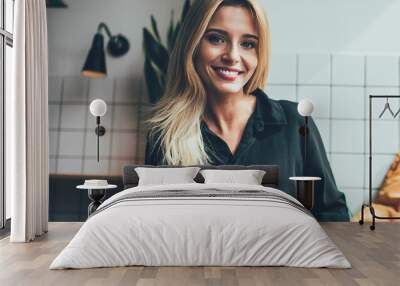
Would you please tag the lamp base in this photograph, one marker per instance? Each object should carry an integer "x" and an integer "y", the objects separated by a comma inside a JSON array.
[
  {"x": 305, "y": 187},
  {"x": 96, "y": 196},
  {"x": 118, "y": 46},
  {"x": 305, "y": 193},
  {"x": 100, "y": 130}
]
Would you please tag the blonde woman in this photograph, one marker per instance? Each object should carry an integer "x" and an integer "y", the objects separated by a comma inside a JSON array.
[{"x": 215, "y": 112}]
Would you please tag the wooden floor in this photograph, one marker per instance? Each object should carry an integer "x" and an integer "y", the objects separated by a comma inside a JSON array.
[{"x": 374, "y": 255}]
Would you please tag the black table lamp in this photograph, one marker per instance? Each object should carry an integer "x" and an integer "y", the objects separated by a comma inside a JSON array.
[{"x": 95, "y": 64}]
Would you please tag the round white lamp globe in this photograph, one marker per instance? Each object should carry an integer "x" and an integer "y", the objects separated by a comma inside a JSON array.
[
  {"x": 98, "y": 107},
  {"x": 305, "y": 107}
]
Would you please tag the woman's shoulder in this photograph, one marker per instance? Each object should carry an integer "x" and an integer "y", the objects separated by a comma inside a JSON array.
[{"x": 286, "y": 107}]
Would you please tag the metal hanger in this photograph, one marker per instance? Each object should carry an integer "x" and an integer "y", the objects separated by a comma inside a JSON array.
[
  {"x": 397, "y": 113},
  {"x": 387, "y": 107}
]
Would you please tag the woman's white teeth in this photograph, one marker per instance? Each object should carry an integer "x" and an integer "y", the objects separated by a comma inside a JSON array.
[{"x": 227, "y": 72}]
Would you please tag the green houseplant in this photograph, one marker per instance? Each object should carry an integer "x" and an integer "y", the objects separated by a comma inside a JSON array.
[{"x": 157, "y": 54}]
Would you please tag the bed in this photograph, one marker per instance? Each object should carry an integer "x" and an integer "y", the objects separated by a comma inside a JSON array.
[{"x": 198, "y": 224}]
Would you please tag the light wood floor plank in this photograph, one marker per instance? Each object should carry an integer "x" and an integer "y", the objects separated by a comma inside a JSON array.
[{"x": 375, "y": 257}]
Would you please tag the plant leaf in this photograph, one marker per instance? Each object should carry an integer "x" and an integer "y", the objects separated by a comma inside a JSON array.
[
  {"x": 153, "y": 83},
  {"x": 170, "y": 36},
  {"x": 155, "y": 28},
  {"x": 155, "y": 51},
  {"x": 185, "y": 10},
  {"x": 157, "y": 55}
]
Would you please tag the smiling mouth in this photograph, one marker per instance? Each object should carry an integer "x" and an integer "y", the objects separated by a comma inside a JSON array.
[{"x": 227, "y": 73}]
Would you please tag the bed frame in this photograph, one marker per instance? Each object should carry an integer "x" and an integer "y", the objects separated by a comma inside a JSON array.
[{"x": 270, "y": 179}]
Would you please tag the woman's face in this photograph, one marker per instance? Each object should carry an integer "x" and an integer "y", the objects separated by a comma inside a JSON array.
[{"x": 227, "y": 53}]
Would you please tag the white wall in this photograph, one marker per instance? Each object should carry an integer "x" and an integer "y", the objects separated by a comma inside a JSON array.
[{"x": 358, "y": 26}]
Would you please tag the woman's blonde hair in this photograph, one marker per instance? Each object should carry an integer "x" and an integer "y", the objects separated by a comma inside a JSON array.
[{"x": 176, "y": 121}]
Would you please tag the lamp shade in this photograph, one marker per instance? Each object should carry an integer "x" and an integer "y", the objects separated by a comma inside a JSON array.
[
  {"x": 98, "y": 107},
  {"x": 305, "y": 107},
  {"x": 95, "y": 64}
]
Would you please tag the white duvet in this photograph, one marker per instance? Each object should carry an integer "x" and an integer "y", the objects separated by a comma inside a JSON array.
[{"x": 192, "y": 231}]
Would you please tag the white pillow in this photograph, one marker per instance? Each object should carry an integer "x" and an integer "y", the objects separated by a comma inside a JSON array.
[
  {"x": 163, "y": 176},
  {"x": 249, "y": 177}
]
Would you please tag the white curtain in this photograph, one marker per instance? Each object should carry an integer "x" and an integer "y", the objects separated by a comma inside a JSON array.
[{"x": 27, "y": 123}]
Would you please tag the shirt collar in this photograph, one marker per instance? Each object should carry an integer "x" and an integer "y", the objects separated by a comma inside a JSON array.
[{"x": 267, "y": 112}]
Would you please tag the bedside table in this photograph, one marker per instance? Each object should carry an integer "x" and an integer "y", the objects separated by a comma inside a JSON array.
[
  {"x": 305, "y": 190},
  {"x": 96, "y": 195}
]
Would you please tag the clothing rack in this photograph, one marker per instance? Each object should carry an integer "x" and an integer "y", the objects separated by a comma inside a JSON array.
[{"x": 369, "y": 205}]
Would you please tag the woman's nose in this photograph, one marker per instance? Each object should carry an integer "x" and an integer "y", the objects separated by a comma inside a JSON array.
[{"x": 232, "y": 54}]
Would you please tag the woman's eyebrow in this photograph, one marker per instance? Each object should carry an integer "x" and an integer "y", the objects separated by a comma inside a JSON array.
[{"x": 226, "y": 33}]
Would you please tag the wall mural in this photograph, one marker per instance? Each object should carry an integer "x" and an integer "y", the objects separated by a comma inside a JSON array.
[{"x": 176, "y": 112}]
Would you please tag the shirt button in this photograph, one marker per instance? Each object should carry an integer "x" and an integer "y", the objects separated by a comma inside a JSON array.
[{"x": 259, "y": 125}]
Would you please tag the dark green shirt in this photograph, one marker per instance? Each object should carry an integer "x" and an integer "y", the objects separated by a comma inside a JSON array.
[{"x": 271, "y": 137}]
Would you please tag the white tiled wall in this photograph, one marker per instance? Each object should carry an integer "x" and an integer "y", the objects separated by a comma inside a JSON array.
[
  {"x": 283, "y": 69},
  {"x": 348, "y": 170},
  {"x": 347, "y": 136},
  {"x": 348, "y": 102},
  {"x": 383, "y": 70},
  {"x": 73, "y": 142},
  {"x": 348, "y": 70},
  {"x": 74, "y": 89},
  {"x": 338, "y": 84},
  {"x": 324, "y": 130},
  {"x": 314, "y": 69},
  {"x": 285, "y": 92}
]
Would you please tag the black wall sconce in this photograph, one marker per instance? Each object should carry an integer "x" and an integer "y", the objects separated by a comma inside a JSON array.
[
  {"x": 98, "y": 108},
  {"x": 305, "y": 108},
  {"x": 95, "y": 64}
]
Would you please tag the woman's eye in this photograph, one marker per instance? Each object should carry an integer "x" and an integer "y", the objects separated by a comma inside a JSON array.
[
  {"x": 215, "y": 39},
  {"x": 249, "y": 45}
]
